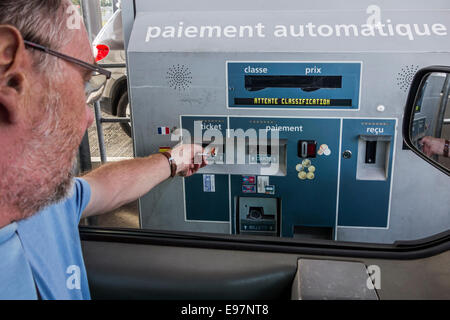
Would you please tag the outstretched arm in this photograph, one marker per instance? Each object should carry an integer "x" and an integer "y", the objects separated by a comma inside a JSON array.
[{"x": 115, "y": 184}]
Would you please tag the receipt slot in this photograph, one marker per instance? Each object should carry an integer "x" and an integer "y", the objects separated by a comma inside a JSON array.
[{"x": 373, "y": 157}]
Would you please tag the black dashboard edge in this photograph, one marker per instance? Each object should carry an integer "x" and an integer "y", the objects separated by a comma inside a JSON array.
[{"x": 400, "y": 250}]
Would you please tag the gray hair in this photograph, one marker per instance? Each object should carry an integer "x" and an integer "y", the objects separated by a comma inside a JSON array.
[{"x": 39, "y": 21}]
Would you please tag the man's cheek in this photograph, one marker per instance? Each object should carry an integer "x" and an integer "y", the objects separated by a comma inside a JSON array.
[{"x": 89, "y": 116}]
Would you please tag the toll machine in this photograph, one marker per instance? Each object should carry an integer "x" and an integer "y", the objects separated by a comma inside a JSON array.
[{"x": 324, "y": 93}]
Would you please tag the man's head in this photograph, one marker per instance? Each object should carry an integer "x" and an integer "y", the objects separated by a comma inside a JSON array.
[{"x": 43, "y": 114}]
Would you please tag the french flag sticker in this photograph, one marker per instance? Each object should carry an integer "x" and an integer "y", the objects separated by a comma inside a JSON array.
[{"x": 163, "y": 130}]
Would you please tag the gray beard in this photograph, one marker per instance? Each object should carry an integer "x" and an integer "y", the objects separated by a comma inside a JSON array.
[
  {"x": 60, "y": 191},
  {"x": 43, "y": 174}
]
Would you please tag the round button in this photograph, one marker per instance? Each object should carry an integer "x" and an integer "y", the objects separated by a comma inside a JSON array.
[
  {"x": 381, "y": 108},
  {"x": 312, "y": 169},
  {"x": 347, "y": 154},
  {"x": 306, "y": 163},
  {"x": 302, "y": 175},
  {"x": 310, "y": 176},
  {"x": 299, "y": 167}
]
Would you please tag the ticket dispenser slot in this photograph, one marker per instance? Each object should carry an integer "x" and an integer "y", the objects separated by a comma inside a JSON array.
[
  {"x": 305, "y": 83},
  {"x": 251, "y": 157},
  {"x": 258, "y": 216},
  {"x": 373, "y": 157}
]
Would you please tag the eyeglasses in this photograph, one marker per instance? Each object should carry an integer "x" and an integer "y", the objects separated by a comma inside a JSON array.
[{"x": 95, "y": 86}]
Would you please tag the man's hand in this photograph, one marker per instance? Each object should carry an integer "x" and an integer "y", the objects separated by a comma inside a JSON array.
[
  {"x": 432, "y": 146},
  {"x": 189, "y": 158}
]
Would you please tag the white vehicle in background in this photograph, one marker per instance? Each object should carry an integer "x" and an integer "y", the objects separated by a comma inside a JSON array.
[{"x": 110, "y": 53}]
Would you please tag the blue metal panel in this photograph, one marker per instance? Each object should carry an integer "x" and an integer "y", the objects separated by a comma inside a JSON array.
[
  {"x": 200, "y": 205},
  {"x": 343, "y": 94},
  {"x": 303, "y": 202},
  {"x": 364, "y": 203},
  {"x": 207, "y": 206}
]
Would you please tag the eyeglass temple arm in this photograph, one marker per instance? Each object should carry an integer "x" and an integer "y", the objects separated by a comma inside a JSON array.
[{"x": 68, "y": 58}]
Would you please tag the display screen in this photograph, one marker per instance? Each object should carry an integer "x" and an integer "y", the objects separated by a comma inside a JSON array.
[{"x": 294, "y": 85}]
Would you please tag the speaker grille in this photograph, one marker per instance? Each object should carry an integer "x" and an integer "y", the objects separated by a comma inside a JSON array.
[
  {"x": 179, "y": 77},
  {"x": 405, "y": 76}
]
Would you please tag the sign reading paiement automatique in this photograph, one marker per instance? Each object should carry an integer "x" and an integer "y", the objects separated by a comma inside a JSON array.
[{"x": 291, "y": 85}]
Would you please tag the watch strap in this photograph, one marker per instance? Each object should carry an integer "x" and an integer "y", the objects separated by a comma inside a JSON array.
[{"x": 172, "y": 164}]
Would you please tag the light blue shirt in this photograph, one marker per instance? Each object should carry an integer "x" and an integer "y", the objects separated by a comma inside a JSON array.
[
  {"x": 46, "y": 247},
  {"x": 16, "y": 280}
]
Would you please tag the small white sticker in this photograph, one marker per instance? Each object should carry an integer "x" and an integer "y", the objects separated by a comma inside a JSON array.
[
  {"x": 263, "y": 181},
  {"x": 270, "y": 189},
  {"x": 324, "y": 150},
  {"x": 209, "y": 183}
]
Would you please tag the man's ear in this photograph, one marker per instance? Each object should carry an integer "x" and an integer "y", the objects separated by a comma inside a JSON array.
[{"x": 12, "y": 76}]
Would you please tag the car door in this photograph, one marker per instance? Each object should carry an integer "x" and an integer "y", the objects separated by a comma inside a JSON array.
[
  {"x": 155, "y": 264},
  {"x": 130, "y": 264}
]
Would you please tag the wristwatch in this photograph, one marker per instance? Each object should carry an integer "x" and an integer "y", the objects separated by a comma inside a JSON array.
[
  {"x": 446, "y": 149},
  {"x": 172, "y": 164}
]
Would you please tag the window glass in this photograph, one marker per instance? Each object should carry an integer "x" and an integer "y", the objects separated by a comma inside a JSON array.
[{"x": 316, "y": 143}]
